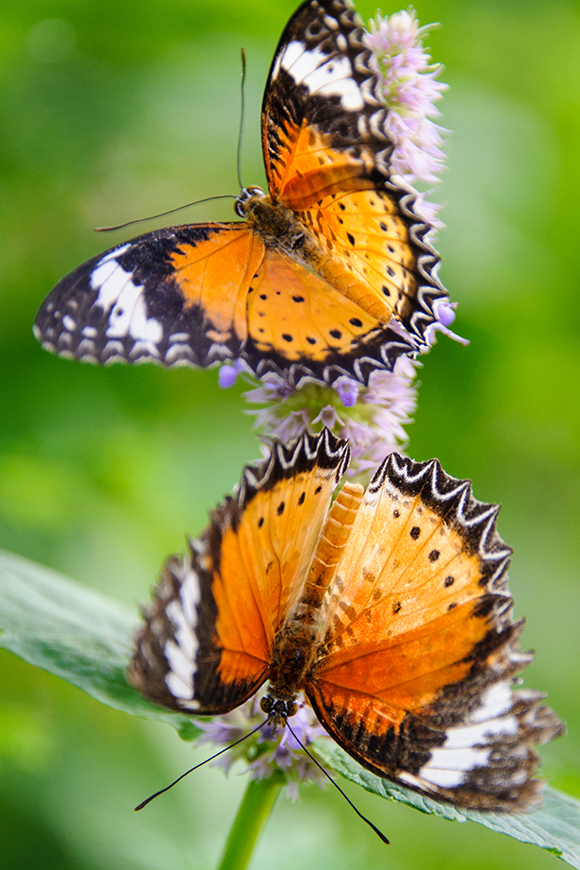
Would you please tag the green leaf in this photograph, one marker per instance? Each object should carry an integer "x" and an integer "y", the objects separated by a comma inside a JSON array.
[
  {"x": 555, "y": 827},
  {"x": 76, "y": 633},
  {"x": 86, "y": 638}
]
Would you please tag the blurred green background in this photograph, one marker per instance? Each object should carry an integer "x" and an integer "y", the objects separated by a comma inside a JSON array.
[{"x": 112, "y": 111}]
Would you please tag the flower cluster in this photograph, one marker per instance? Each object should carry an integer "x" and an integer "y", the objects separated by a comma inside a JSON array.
[
  {"x": 372, "y": 418},
  {"x": 410, "y": 89},
  {"x": 268, "y": 751}
]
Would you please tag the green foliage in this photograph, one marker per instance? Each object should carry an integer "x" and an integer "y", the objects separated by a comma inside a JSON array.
[{"x": 556, "y": 827}]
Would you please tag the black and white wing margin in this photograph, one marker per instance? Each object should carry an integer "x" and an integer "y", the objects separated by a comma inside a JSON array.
[{"x": 126, "y": 305}]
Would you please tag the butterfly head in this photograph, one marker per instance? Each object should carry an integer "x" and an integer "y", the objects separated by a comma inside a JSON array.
[
  {"x": 247, "y": 198},
  {"x": 278, "y": 710}
]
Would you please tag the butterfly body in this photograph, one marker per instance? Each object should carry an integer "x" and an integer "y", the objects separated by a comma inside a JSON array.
[
  {"x": 279, "y": 228},
  {"x": 330, "y": 273},
  {"x": 388, "y": 608}
]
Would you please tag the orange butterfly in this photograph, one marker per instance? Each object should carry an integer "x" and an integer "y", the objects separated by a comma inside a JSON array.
[
  {"x": 331, "y": 273},
  {"x": 389, "y": 608}
]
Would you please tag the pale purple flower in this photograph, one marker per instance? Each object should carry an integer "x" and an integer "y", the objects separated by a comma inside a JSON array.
[
  {"x": 444, "y": 312},
  {"x": 272, "y": 389},
  {"x": 427, "y": 210},
  {"x": 328, "y": 418},
  {"x": 268, "y": 751},
  {"x": 348, "y": 391},
  {"x": 228, "y": 373},
  {"x": 372, "y": 417},
  {"x": 410, "y": 90}
]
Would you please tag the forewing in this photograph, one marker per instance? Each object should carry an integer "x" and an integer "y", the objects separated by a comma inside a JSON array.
[
  {"x": 420, "y": 649},
  {"x": 300, "y": 326},
  {"x": 176, "y": 296},
  {"x": 207, "y": 640},
  {"x": 324, "y": 136}
]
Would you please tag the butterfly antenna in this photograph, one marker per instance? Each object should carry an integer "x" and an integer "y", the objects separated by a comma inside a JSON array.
[
  {"x": 211, "y": 758},
  {"x": 336, "y": 785},
  {"x": 162, "y": 214},
  {"x": 243, "y": 88}
]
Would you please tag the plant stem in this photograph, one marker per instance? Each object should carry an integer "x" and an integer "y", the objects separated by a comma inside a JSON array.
[{"x": 253, "y": 813}]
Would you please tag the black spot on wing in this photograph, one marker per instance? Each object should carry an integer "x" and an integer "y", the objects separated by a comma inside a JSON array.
[{"x": 376, "y": 350}]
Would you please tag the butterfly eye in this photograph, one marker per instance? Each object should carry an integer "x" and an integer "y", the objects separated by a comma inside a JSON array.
[
  {"x": 247, "y": 194},
  {"x": 266, "y": 704},
  {"x": 291, "y": 708}
]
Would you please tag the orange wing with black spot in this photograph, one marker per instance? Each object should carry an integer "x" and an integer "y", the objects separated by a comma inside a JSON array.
[
  {"x": 327, "y": 156},
  {"x": 418, "y": 647},
  {"x": 201, "y": 294},
  {"x": 300, "y": 324},
  {"x": 207, "y": 643}
]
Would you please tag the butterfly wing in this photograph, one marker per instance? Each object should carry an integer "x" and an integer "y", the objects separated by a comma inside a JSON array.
[
  {"x": 419, "y": 646},
  {"x": 327, "y": 156},
  {"x": 196, "y": 295},
  {"x": 300, "y": 326},
  {"x": 207, "y": 640},
  {"x": 176, "y": 296}
]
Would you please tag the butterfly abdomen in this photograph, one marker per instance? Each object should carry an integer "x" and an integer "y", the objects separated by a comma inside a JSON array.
[
  {"x": 296, "y": 645},
  {"x": 332, "y": 542}
]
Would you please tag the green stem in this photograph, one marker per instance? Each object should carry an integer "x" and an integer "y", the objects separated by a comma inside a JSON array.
[{"x": 253, "y": 813}]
